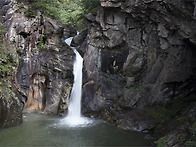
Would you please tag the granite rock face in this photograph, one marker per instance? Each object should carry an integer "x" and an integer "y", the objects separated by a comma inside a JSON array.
[
  {"x": 44, "y": 74},
  {"x": 10, "y": 109},
  {"x": 138, "y": 53}
]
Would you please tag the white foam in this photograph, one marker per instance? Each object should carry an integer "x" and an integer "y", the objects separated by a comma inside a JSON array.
[{"x": 76, "y": 121}]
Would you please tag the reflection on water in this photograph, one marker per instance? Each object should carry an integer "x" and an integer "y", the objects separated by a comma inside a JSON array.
[{"x": 44, "y": 130}]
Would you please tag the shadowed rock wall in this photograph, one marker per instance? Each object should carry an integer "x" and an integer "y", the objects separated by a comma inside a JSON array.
[
  {"x": 10, "y": 109},
  {"x": 139, "y": 67},
  {"x": 139, "y": 53}
]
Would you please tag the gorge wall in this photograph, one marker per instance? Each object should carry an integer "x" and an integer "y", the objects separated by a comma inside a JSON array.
[
  {"x": 139, "y": 64},
  {"x": 44, "y": 74},
  {"x": 140, "y": 53}
]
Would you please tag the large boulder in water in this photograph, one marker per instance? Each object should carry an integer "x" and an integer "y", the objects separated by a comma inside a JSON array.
[{"x": 10, "y": 109}]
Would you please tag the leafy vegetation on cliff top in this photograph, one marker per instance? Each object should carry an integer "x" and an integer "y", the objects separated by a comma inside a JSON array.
[
  {"x": 7, "y": 59},
  {"x": 66, "y": 11}
]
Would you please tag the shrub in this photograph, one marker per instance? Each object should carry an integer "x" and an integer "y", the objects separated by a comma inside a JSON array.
[
  {"x": 7, "y": 61},
  {"x": 66, "y": 11}
]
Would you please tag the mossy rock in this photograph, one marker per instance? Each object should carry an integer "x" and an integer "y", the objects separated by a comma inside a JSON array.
[{"x": 160, "y": 142}]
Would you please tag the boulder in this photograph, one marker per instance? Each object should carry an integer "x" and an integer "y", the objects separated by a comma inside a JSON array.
[{"x": 10, "y": 109}]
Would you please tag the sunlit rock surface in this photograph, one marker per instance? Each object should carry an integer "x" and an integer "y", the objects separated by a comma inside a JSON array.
[{"x": 44, "y": 74}]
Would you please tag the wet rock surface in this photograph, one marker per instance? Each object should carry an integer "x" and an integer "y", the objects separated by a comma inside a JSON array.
[
  {"x": 10, "y": 109},
  {"x": 139, "y": 54}
]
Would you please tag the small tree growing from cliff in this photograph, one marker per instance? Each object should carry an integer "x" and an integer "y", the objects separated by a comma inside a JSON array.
[
  {"x": 6, "y": 57},
  {"x": 90, "y": 6}
]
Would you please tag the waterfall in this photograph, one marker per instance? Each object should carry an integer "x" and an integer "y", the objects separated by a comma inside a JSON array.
[
  {"x": 74, "y": 109},
  {"x": 74, "y": 117}
]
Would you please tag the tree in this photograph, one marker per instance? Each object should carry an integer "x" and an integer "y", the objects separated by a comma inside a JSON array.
[{"x": 65, "y": 11}]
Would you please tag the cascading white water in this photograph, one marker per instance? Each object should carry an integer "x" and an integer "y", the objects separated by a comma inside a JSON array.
[
  {"x": 74, "y": 117},
  {"x": 74, "y": 109}
]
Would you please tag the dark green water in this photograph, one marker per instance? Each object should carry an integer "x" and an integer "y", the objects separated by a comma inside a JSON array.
[{"x": 44, "y": 130}]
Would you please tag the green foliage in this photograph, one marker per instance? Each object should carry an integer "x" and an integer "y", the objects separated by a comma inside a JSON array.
[
  {"x": 6, "y": 93},
  {"x": 18, "y": 50},
  {"x": 1, "y": 93},
  {"x": 2, "y": 32},
  {"x": 136, "y": 87},
  {"x": 30, "y": 13},
  {"x": 160, "y": 142},
  {"x": 41, "y": 44},
  {"x": 7, "y": 60},
  {"x": 66, "y": 11},
  {"x": 159, "y": 113},
  {"x": 7, "y": 99},
  {"x": 4, "y": 68},
  {"x": 9, "y": 91},
  {"x": 172, "y": 112},
  {"x": 164, "y": 114},
  {"x": 71, "y": 12},
  {"x": 193, "y": 130},
  {"x": 181, "y": 137},
  {"x": 192, "y": 138},
  {"x": 90, "y": 5},
  {"x": 190, "y": 143}
]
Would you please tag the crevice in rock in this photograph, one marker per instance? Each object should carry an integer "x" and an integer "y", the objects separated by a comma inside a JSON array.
[{"x": 24, "y": 34}]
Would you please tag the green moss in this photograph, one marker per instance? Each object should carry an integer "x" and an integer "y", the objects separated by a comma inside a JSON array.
[
  {"x": 170, "y": 112},
  {"x": 4, "y": 68},
  {"x": 190, "y": 143},
  {"x": 95, "y": 41},
  {"x": 193, "y": 129},
  {"x": 3, "y": 96},
  {"x": 136, "y": 87},
  {"x": 40, "y": 43},
  {"x": 132, "y": 70},
  {"x": 111, "y": 80},
  {"x": 30, "y": 14},
  {"x": 6, "y": 98},
  {"x": 9, "y": 91},
  {"x": 21, "y": 6},
  {"x": 18, "y": 49},
  {"x": 8, "y": 57},
  {"x": 1, "y": 93},
  {"x": 181, "y": 137},
  {"x": 159, "y": 113},
  {"x": 160, "y": 142}
]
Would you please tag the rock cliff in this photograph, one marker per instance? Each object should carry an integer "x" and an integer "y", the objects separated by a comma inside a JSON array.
[
  {"x": 139, "y": 64},
  {"x": 10, "y": 109},
  {"x": 139, "y": 53},
  {"x": 145, "y": 47},
  {"x": 44, "y": 75}
]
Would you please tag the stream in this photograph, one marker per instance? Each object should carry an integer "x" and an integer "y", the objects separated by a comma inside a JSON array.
[{"x": 46, "y": 130}]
